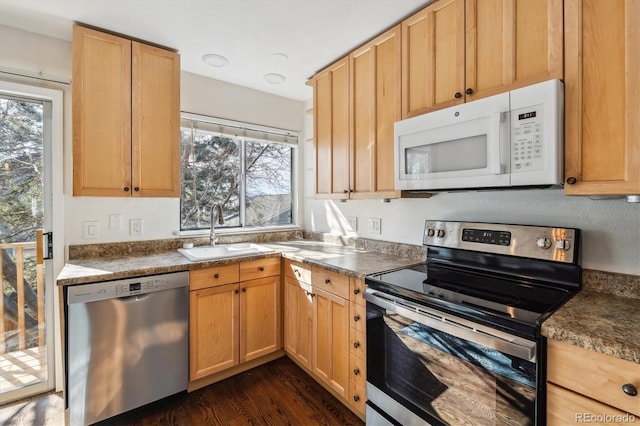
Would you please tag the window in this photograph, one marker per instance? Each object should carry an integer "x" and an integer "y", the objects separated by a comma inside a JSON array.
[{"x": 247, "y": 170}]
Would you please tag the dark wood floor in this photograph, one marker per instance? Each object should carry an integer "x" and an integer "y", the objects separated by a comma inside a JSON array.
[{"x": 278, "y": 393}]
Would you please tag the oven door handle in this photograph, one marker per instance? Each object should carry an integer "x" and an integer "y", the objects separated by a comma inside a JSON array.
[{"x": 458, "y": 327}]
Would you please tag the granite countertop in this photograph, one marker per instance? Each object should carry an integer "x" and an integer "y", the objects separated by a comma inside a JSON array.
[
  {"x": 605, "y": 322},
  {"x": 347, "y": 260}
]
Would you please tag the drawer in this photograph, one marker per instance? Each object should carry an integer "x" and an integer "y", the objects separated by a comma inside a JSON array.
[
  {"x": 358, "y": 317},
  {"x": 356, "y": 291},
  {"x": 565, "y": 407},
  {"x": 357, "y": 397},
  {"x": 214, "y": 276},
  {"x": 259, "y": 268},
  {"x": 330, "y": 281},
  {"x": 298, "y": 271},
  {"x": 358, "y": 370},
  {"x": 593, "y": 374},
  {"x": 358, "y": 344}
]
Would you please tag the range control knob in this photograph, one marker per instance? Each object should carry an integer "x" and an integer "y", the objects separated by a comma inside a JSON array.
[
  {"x": 543, "y": 242},
  {"x": 563, "y": 245},
  {"x": 431, "y": 232},
  {"x": 440, "y": 233}
]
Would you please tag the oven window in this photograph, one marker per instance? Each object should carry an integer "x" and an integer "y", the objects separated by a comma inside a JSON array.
[{"x": 444, "y": 379}]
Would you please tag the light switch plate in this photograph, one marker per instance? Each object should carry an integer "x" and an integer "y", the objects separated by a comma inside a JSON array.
[
  {"x": 375, "y": 225},
  {"x": 91, "y": 229},
  {"x": 353, "y": 222},
  {"x": 115, "y": 222}
]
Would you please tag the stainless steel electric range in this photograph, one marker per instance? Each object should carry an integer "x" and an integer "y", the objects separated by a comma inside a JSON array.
[{"x": 456, "y": 340}]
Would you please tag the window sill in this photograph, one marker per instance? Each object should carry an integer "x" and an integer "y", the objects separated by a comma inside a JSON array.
[{"x": 238, "y": 231}]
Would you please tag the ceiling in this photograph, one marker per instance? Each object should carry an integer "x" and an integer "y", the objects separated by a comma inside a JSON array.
[{"x": 252, "y": 34}]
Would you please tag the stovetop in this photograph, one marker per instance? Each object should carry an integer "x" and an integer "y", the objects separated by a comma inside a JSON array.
[{"x": 501, "y": 282}]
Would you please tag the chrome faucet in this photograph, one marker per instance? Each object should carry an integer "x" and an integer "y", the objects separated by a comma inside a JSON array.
[{"x": 216, "y": 215}]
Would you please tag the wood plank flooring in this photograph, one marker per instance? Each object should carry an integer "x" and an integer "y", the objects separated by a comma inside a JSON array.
[{"x": 277, "y": 393}]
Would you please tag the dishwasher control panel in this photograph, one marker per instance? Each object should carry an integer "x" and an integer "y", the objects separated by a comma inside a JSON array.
[{"x": 92, "y": 292}]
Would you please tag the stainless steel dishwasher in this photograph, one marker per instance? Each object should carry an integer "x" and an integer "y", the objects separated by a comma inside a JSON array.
[{"x": 126, "y": 343}]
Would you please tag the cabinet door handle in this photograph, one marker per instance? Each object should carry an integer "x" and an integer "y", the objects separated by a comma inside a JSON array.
[
  {"x": 216, "y": 276},
  {"x": 261, "y": 268},
  {"x": 327, "y": 281},
  {"x": 356, "y": 291},
  {"x": 136, "y": 188},
  {"x": 356, "y": 371},
  {"x": 125, "y": 189},
  {"x": 356, "y": 318},
  {"x": 469, "y": 91},
  {"x": 572, "y": 180},
  {"x": 236, "y": 291},
  {"x": 296, "y": 272},
  {"x": 244, "y": 289},
  {"x": 346, "y": 191},
  {"x": 629, "y": 389},
  {"x": 356, "y": 398},
  {"x": 356, "y": 345}
]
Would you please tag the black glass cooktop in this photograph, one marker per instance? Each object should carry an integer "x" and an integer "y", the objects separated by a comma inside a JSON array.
[{"x": 492, "y": 298}]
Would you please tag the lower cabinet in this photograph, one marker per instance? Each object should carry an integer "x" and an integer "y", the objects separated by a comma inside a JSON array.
[
  {"x": 232, "y": 320},
  {"x": 585, "y": 386},
  {"x": 325, "y": 320}
]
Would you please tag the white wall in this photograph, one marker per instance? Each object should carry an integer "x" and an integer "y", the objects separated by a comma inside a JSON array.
[
  {"x": 34, "y": 53},
  {"x": 610, "y": 228}
]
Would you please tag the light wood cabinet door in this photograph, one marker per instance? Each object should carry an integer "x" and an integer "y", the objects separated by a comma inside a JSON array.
[
  {"x": 331, "y": 130},
  {"x": 331, "y": 340},
  {"x": 213, "y": 330},
  {"x": 101, "y": 113},
  {"x": 126, "y": 117},
  {"x": 375, "y": 107},
  {"x": 565, "y": 407},
  {"x": 510, "y": 44},
  {"x": 298, "y": 320},
  {"x": 155, "y": 122},
  {"x": 433, "y": 68},
  {"x": 260, "y": 324},
  {"x": 602, "y": 97}
]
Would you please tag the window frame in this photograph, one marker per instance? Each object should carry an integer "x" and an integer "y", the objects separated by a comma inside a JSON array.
[{"x": 251, "y": 133}]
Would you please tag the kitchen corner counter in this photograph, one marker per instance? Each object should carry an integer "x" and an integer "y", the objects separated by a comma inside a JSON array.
[
  {"x": 343, "y": 259},
  {"x": 602, "y": 322}
]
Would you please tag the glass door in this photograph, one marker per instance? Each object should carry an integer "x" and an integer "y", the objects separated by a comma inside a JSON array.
[{"x": 26, "y": 353}]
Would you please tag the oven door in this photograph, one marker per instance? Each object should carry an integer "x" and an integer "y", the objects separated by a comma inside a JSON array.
[
  {"x": 428, "y": 147},
  {"x": 428, "y": 367}
]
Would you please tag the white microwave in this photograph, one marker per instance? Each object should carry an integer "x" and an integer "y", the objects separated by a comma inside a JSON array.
[{"x": 514, "y": 139}]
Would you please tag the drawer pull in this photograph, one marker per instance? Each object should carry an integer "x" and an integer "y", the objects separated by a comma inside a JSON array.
[
  {"x": 216, "y": 276},
  {"x": 356, "y": 371},
  {"x": 356, "y": 318},
  {"x": 356, "y": 291},
  {"x": 356, "y": 345},
  {"x": 327, "y": 281},
  {"x": 261, "y": 268},
  {"x": 629, "y": 389},
  {"x": 356, "y": 398}
]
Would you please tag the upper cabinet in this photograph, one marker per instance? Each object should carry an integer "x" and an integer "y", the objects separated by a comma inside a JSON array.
[
  {"x": 356, "y": 102},
  {"x": 602, "y": 97},
  {"x": 126, "y": 117},
  {"x": 454, "y": 51}
]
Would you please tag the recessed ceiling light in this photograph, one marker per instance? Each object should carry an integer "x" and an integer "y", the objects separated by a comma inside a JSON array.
[
  {"x": 217, "y": 61},
  {"x": 275, "y": 78}
]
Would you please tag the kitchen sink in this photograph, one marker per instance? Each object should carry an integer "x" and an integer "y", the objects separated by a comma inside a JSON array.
[{"x": 221, "y": 251}]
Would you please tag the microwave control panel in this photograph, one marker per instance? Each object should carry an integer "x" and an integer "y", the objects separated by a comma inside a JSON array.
[{"x": 527, "y": 139}]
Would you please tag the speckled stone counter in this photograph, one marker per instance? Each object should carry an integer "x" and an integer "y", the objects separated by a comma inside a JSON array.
[
  {"x": 347, "y": 260},
  {"x": 604, "y": 316}
]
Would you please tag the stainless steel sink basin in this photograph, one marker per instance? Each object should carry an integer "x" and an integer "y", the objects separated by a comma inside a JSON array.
[{"x": 221, "y": 251}]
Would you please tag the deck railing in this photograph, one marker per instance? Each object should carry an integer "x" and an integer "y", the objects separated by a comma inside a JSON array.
[{"x": 19, "y": 319}]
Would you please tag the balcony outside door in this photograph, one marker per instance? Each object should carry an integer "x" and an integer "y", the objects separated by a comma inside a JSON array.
[{"x": 26, "y": 302}]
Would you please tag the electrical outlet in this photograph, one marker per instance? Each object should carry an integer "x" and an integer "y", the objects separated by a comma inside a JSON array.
[
  {"x": 135, "y": 227},
  {"x": 375, "y": 225},
  {"x": 353, "y": 222}
]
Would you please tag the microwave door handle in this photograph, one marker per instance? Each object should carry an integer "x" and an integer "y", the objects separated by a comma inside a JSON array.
[{"x": 495, "y": 123}]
